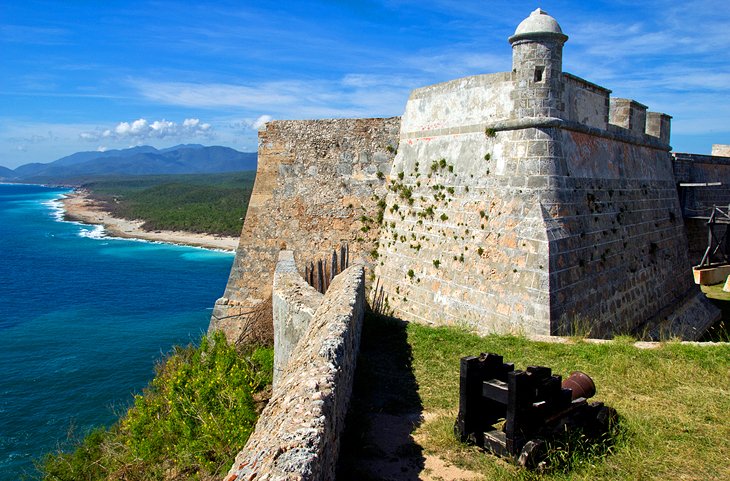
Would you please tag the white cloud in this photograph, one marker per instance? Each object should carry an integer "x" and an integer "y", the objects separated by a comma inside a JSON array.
[
  {"x": 141, "y": 129},
  {"x": 351, "y": 95},
  {"x": 261, "y": 121}
]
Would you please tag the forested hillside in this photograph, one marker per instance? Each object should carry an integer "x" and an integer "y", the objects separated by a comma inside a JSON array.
[{"x": 204, "y": 203}]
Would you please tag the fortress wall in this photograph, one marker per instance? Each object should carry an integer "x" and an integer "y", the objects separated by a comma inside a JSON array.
[
  {"x": 298, "y": 433},
  {"x": 458, "y": 105},
  {"x": 698, "y": 201},
  {"x": 314, "y": 183},
  {"x": 463, "y": 239},
  {"x": 474, "y": 236},
  {"x": 696, "y": 168},
  {"x": 621, "y": 254},
  {"x": 534, "y": 229},
  {"x": 586, "y": 102},
  {"x": 527, "y": 201}
]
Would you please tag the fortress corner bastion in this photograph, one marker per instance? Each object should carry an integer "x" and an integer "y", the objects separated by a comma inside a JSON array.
[
  {"x": 318, "y": 184},
  {"x": 528, "y": 201}
]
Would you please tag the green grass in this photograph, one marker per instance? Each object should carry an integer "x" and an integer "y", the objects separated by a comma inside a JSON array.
[
  {"x": 189, "y": 423},
  {"x": 205, "y": 203},
  {"x": 673, "y": 401}
]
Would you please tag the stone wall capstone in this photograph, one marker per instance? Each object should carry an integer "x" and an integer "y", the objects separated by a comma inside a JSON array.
[
  {"x": 297, "y": 434},
  {"x": 722, "y": 150},
  {"x": 294, "y": 303}
]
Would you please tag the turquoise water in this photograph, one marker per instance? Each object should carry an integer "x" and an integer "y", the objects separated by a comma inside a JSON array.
[{"x": 83, "y": 319}]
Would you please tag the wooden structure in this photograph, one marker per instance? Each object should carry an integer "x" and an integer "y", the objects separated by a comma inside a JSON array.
[
  {"x": 320, "y": 275},
  {"x": 534, "y": 405}
]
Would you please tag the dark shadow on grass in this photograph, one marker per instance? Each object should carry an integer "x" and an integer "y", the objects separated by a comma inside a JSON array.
[
  {"x": 720, "y": 331},
  {"x": 385, "y": 407}
]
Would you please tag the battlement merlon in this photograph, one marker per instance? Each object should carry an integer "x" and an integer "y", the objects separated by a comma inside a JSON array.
[{"x": 536, "y": 93}]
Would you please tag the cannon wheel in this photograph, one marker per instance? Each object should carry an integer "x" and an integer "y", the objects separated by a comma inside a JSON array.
[{"x": 533, "y": 454}]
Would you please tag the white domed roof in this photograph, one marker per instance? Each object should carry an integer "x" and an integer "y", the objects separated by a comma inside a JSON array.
[{"x": 540, "y": 23}]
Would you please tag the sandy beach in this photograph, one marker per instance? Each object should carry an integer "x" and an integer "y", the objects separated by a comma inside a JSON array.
[{"x": 79, "y": 207}]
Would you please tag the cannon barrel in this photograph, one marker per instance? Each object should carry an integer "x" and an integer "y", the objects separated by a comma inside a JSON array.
[{"x": 581, "y": 384}]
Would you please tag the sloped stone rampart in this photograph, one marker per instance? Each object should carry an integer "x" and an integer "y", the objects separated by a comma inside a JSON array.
[
  {"x": 297, "y": 435},
  {"x": 318, "y": 184}
]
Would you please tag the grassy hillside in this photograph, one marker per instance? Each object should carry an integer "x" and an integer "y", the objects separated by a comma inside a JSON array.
[
  {"x": 673, "y": 402},
  {"x": 210, "y": 203}
]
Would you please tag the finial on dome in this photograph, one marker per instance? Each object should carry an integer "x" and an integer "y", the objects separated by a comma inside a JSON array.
[{"x": 538, "y": 24}]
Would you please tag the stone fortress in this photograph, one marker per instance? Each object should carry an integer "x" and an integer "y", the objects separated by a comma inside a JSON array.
[{"x": 528, "y": 201}]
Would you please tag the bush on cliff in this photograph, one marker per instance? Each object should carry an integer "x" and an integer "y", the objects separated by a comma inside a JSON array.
[{"x": 188, "y": 424}]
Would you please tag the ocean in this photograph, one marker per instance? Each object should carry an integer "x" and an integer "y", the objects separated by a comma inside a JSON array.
[{"x": 83, "y": 320}]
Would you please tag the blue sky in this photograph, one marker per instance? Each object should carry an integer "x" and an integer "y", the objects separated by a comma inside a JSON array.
[{"x": 86, "y": 75}]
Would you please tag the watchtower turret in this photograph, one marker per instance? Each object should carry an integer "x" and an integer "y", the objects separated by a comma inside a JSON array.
[{"x": 537, "y": 65}]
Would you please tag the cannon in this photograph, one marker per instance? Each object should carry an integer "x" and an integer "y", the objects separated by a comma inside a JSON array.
[{"x": 534, "y": 406}]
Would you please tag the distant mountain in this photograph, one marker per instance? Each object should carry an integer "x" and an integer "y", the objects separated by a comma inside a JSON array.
[
  {"x": 145, "y": 160},
  {"x": 183, "y": 146},
  {"x": 6, "y": 174},
  {"x": 80, "y": 157}
]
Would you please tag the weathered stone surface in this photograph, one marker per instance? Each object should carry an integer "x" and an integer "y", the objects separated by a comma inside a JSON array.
[
  {"x": 722, "y": 150},
  {"x": 316, "y": 188},
  {"x": 294, "y": 303},
  {"x": 297, "y": 435},
  {"x": 539, "y": 214}
]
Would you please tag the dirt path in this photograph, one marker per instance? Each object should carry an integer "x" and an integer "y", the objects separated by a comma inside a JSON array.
[{"x": 378, "y": 442}]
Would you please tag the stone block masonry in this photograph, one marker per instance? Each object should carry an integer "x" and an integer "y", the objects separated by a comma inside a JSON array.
[
  {"x": 703, "y": 182},
  {"x": 721, "y": 150},
  {"x": 297, "y": 435},
  {"x": 318, "y": 185}
]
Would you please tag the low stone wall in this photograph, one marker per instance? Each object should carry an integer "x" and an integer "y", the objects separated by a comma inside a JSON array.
[
  {"x": 297, "y": 435},
  {"x": 294, "y": 303}
]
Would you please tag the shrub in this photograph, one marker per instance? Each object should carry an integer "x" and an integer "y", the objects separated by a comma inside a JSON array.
[{"x": 197, "y": 412}]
